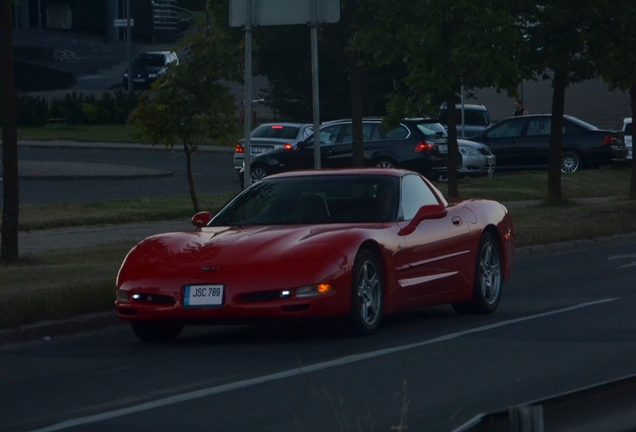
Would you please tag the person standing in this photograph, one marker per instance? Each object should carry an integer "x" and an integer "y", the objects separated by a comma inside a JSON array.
[{"x": 519, "y": 109}]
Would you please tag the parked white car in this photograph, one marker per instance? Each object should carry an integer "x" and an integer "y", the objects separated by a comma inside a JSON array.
[{"x": 626, "y": 127}]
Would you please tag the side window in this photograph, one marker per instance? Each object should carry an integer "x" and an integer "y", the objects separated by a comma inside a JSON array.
[
  {"x": 415, "y": 194},
  {"x": 628, "y": 129},
  {"x": 328, "y": 134},
  {"x": 507, "y": 129},
  {"x": 347, "y": 135},
  {"x": 399, "y": 132},
  {"x": 539, "y": 126},
  {"x": 370, "y": 132}
]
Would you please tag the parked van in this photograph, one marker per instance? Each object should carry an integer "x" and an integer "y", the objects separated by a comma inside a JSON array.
[{"x": 476, "y": 119}]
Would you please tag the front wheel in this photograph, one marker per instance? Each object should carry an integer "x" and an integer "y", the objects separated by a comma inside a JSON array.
[
  {"x": 156, "y": 331},
  {"x": 258, "y": 173},
  {"x": 570, "y": 162},
  {"x": 366, "y": 293},
  {"x": 488, "y": 279}
]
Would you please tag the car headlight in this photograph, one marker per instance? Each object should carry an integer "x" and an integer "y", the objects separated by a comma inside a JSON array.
[
  {"x": 313, "y": 290},
  {"x": 468, "y": 151},
  {"x": 125, "y": 74}
]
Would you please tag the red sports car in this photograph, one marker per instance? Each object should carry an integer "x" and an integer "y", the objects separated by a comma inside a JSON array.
[{"x": 349, "y": 243}]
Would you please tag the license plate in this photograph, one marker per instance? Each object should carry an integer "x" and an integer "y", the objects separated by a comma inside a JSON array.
[
  {"x": 443, "y": 148},
  {"x": 138, "y": 80},
  {"x": 203, "y": 295}
]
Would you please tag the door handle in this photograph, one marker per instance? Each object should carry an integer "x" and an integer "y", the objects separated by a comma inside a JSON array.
[{"x": 457, "y": 221}]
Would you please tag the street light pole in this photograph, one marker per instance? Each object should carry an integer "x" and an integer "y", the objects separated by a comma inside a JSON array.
[{"x": 128, "y": 36}]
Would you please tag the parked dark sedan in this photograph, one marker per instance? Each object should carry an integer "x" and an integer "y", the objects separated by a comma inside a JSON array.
[
  {"x": 416, "y": 144},
  {"x": 147, "y": 67},
  {"x": 524, "y": 143}
]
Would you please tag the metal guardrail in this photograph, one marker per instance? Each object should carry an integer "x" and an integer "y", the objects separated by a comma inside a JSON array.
[{"x": 606, "y": 407}]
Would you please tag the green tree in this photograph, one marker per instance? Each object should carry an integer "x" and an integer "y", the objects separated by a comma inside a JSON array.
[
  {"x": 190, "y": 101},
  {"x": 445, "y": 45},
  {"x": 11, "y": 189},
  {"x": 618, "y": 49},
  {"x": 559, "y": 36}
]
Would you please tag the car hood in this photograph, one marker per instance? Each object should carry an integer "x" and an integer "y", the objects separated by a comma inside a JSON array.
[{"x": 232, "y": 245}]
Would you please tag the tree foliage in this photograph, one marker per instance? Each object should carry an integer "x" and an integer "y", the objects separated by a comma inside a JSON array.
[{"x": 190, "y": 101}]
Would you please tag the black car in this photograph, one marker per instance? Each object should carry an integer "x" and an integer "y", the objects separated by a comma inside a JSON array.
[
  {"x": 524, "y": 143},
  {"x": 147, "y": 67},
  {"x": 416, "y": 144}
]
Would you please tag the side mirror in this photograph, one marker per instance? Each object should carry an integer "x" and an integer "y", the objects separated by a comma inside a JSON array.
[
  {"x": 201, "y": 219},
  {"x": 434, "y": 211}
]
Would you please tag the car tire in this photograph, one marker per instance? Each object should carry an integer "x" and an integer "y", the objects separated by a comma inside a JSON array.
[
  {"x": 383, "y": 163},
  {"x": 571, "y": 161},
  {"x": 488, "y": 282},
  {"x": 367, "y": 294},
  {"x": 259, "y": 172},
  {"x": 156, "y": 331}
]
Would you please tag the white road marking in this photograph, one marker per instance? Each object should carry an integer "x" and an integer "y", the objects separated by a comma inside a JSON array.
[
  {"x": 615, "y": 257},
  {"x": 295, "y": 372}
]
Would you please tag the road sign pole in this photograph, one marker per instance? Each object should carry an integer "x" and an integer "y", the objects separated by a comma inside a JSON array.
[
  {"x": 315, "y": 82},
  {"x": 247, "y": 105},
  {"x": 128, "y": 36}
]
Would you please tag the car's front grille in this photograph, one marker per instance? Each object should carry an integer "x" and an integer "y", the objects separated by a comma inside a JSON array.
[{"x": 153, "y": 298}]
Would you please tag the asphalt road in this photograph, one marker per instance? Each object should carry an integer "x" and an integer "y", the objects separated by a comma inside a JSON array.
[
  {"x": 55, "y": 172},
  {"x": 565, "y": 322}
]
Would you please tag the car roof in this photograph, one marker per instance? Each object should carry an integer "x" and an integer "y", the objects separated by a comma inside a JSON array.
[
  {"x": 379, "y": 119},
  {"x": 293, "y": 124},
  {"x": 331, "y": 172}
]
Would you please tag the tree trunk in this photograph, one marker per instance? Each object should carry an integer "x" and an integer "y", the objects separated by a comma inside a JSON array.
[
  {"x": 453, "y": 147},
  {"x": 632, "y": 183},
  {"x": 11, "y": 200},
  {"x": 559, "y": 84},
  {"x": 356, "y": 109},
  {"x": 193, "y": 196}
]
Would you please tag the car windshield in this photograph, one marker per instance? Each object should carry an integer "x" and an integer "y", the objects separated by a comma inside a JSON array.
[
  {"x": 149, "y": 60},
  {"x": 275, "y": 131},
  {"x": 311, "y": 200}
]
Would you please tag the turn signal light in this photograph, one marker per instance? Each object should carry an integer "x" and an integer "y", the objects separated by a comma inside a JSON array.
[
  {"x": 288, "y": 146},
  {"x": 424, "y": 147}
]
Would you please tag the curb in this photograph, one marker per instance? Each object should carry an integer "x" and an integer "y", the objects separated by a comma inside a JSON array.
[{"x": 46, "y": 330}]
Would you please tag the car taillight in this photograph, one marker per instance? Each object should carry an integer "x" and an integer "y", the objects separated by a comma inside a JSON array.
[
  {"x": 424, "y": 147},
  {"x": 288, "y": 146},
  {"x": 609, "y": 140},
  {"x": 239, "y": 148}
]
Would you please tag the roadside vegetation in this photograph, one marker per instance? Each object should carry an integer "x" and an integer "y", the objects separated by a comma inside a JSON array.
[
  {"x": 107, "y": 133},
  {"x": 65, "y": 283}
]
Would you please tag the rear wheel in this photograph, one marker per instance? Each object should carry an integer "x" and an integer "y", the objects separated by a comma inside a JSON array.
[
  {"x": 488, "y": 279},
  {"x": 570, "y": 161},
  {"x": 366, "y": 293},
  {"x": 156, "y": 331}
]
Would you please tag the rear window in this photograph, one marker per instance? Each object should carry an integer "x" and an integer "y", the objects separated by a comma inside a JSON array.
[
  {"x": 275, "y": 131},
  {"x": 432, "y": 129},
  {"x": 581, "y": 123}
]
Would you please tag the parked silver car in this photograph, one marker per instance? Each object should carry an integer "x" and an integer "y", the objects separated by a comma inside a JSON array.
[
  {"x": 477, "y": 159},
  {"x": 272, "y": 136}
]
